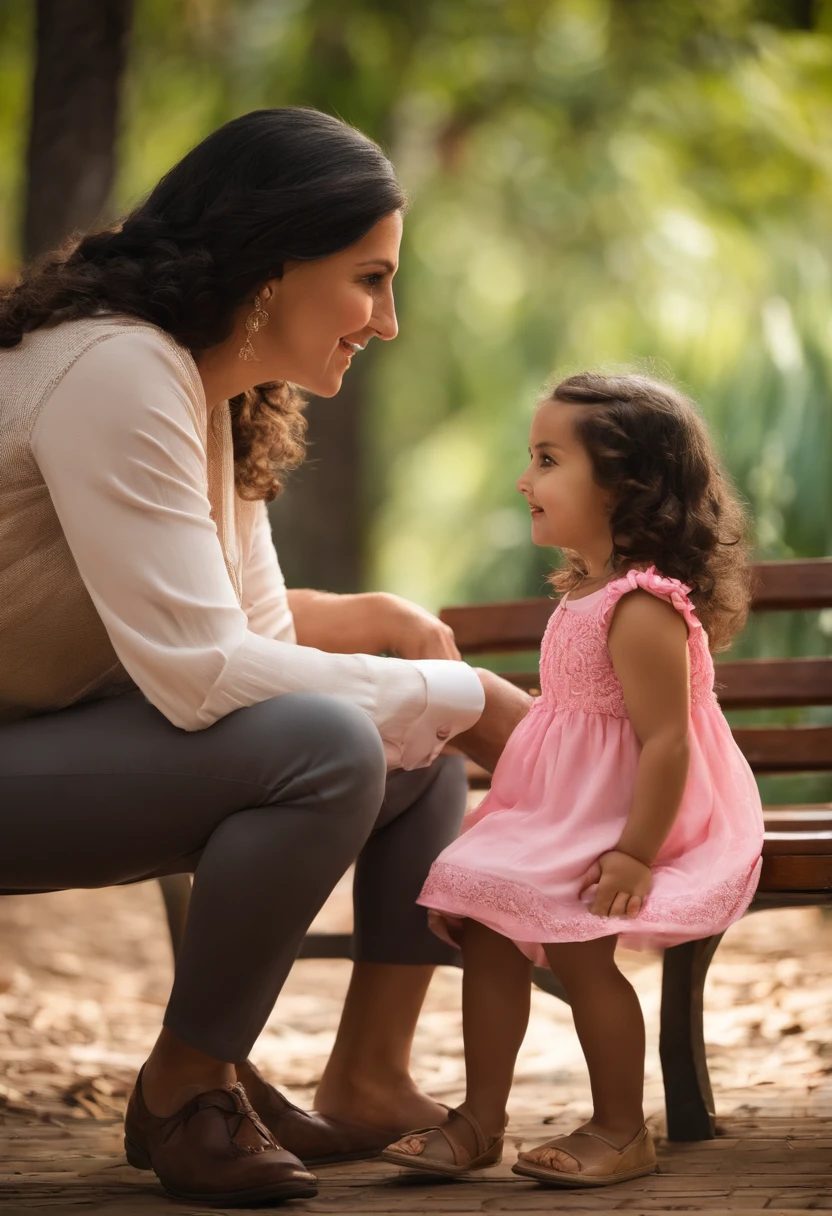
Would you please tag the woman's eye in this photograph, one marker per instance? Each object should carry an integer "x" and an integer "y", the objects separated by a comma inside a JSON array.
[{"x": 372, "y": 280}]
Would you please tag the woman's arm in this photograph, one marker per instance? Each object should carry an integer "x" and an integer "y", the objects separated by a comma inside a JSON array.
[
  {"x": 648, "y": 646},
  {"x": 372, "y": 623},
  {"x": 119, "y": 448}
]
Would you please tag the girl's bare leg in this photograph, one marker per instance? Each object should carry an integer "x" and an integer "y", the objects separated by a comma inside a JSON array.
[
  {"x": 496, "y": 991},
  {"x": 610, "y": 1026}
]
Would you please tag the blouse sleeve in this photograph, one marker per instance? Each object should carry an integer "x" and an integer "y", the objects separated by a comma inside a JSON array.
[
  {"x": 118, "y": 446},
  {"x": 265, "y": 601}
]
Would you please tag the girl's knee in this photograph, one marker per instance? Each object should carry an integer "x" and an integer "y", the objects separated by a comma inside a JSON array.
[{"x": 576, "y": 962}]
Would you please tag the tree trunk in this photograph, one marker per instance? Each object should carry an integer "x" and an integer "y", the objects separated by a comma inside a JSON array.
[
  {"x": 318, "y": 522},
  {"x": 81, "y": 56}
]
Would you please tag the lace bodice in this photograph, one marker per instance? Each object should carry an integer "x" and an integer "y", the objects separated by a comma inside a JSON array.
[{"x": 576, "y": 670}]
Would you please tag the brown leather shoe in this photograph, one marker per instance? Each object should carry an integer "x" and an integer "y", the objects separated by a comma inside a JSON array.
[
  {"x": 214, "y": 1151},
  {"x": 315, "y": 1138}
]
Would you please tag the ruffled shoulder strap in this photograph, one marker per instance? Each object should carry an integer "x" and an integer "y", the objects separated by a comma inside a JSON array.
[{"x": 671, "y": 589}]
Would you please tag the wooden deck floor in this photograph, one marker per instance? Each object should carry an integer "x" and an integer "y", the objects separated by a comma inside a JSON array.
[
  {"x": 763, "y": 1163},
  {"x": 84, "y": 977}
]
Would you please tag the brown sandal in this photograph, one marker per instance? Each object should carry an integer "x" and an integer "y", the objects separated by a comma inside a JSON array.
[
  {"x": 595, "y": 1168},
  {"x": 435, "y": 1150}
]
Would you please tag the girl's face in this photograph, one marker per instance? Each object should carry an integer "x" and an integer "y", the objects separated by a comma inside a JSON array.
[
  {"x": 569, "y": 509},
  {"x": 322, "y": 313}
]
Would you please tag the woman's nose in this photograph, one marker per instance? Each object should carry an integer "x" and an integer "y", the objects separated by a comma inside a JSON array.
[{"x": 384, "y": 319}]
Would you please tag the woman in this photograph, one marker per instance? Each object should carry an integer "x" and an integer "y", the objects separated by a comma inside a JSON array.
[{"x": 165, "y": 704}]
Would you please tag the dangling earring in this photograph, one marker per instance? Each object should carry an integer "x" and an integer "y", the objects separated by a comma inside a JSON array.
[{"x": 254, "y": 321}]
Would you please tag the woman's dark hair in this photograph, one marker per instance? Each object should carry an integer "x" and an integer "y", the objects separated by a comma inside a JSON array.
[
  {"x": 672, "y": 504},
  {"x": 270, "y": 186}
]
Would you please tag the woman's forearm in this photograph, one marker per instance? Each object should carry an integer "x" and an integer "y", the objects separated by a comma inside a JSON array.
[
  {"x": 339, "y": 624},
  {"x": 659, "y": 788}
]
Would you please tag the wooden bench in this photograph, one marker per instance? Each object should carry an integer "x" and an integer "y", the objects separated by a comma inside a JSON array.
[{"x": 797, "y": 855}]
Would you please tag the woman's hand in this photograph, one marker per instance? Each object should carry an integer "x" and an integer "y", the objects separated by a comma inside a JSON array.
[
  {"x": 370, "y": 623},
  {"x": 623, "y": 883},
  {"x": 410, "y": 632},
  {"x": 505, "y": 707}
]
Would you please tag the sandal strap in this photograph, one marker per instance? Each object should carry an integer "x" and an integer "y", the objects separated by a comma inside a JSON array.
[
  {"x": 604, "y": 1140},
  {"x": 458, "y": 1150},
  {"x": 481, "y": 1138}
]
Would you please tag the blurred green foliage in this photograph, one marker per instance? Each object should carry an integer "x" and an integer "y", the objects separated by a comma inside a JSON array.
[{"x": 594, "y": 183}]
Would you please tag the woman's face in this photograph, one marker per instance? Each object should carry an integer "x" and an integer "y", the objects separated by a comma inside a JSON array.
[{"x": 324, "y": 312}]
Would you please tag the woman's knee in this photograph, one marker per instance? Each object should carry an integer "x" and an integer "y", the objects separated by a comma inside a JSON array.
[{"x": 331, "y": 746}]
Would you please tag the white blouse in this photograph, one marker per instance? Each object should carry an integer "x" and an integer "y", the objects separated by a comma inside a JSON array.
[{"x": 118, "y": 448}]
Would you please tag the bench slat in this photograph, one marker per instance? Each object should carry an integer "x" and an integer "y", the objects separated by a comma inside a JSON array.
[
  {"x": 510, "y": 625},
  {"x": 502, "y": 626},
  {"x": 786, "y": 749},
  {"x": 798, "y": 872},
  {"x": 794, "y": 585},
  {"x": 749, "y": 683},
  {"x": 774, "y": 683}
]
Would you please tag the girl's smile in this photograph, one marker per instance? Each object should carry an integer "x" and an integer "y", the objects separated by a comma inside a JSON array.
[{"x": 569, "y": 510}]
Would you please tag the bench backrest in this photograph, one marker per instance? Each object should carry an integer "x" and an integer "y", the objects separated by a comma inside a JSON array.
[{"x": 784, "y": 683}]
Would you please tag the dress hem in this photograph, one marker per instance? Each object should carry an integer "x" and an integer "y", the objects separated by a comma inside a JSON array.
[{"x": 519, "y": 912}]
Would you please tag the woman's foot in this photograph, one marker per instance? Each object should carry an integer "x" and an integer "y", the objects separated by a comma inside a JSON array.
[
  {"x": 214, "y": 1151},
  {"x": 460, "y": 1144},
  {"x": 588, "y": 1157},
  {"x": 315, "y": 1138},
  {"x": 396, "y": 1103},
  {"x": 175, "y": 1072}
]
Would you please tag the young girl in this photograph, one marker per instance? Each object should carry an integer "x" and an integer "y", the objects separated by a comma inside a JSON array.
[{"x": 621, "y": 807}]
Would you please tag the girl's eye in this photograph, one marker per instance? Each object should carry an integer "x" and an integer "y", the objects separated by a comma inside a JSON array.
[{"x": 546, "y": 461}]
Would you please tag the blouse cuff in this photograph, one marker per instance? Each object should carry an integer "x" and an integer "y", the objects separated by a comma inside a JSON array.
[{"x": 455, "y": 701}]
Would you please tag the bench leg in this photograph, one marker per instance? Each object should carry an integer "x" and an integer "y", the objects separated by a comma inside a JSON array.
[
  {"x": 176, "y": 892},
  {"x": 547, "y": 981},
  {"x": 689, "y": 1100}
]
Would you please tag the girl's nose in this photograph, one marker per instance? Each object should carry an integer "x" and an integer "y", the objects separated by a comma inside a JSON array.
[{"x": 522, "y": 483}]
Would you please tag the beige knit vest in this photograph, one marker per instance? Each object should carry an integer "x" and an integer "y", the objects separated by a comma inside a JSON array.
[{"x": 54, "y": 650}]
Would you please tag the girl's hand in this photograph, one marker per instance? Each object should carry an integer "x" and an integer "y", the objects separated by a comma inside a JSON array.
[{"x": 623, "y": 883}]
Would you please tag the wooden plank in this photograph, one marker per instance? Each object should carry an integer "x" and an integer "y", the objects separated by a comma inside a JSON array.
[
  {"x": 748, "y": 683},
  {"x": 786, "y": 749},
  {"x": 511, "y": 625},
  {"x": 808, "y": 817},
  {"x": 774, "y": 683},
  {"x": 505, "y": 625},
  {"x": 808, "y": 872},
  {"x": 793, "y": 585},
  {"x": 784, "y": 844},
  {"x": 768, "y": 749}
]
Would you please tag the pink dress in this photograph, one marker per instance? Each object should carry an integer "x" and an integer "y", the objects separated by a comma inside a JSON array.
[{"x": 561, "y": 795}]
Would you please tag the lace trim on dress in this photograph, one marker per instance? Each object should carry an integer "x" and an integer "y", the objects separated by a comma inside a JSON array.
[
  {"x": 458, "y": 892},
  {"x": 576, "y": 670},
  {"x": 671, "y": 589}
]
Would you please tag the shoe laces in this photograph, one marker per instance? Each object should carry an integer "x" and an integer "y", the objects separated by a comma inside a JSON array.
[{"x": 239, "y": 1110}]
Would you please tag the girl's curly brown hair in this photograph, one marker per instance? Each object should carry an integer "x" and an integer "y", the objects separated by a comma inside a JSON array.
[
  {"x": 268, "y": 187},
  {"x": 673, "y": 505}
]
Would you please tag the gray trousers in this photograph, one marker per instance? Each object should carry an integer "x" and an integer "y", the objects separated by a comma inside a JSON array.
[{"x": 267, "y": 807}]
